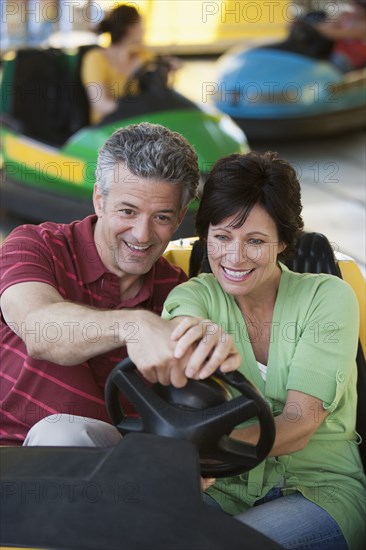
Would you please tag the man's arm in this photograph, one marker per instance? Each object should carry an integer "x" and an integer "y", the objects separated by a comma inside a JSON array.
[
  {"x": 57, "y": 330},
  {"x": 100, "y": 99},
  {"x": 60, "y": 331},
  {"x": 103, "y": 95}
]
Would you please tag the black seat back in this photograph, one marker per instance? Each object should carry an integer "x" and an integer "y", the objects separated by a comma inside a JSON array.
[
  {"x": 38, "y": 88},
  {"x": 47, "y": 99},
  {"x": 314, "y": 254}
]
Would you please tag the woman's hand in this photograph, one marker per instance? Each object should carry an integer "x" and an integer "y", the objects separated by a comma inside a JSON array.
[
  {"x": 208, "y": 346},
  {"x": 173, "y": 63},
  {"x": 207, "y": 482},
  {"x": 170, "y": 352}
]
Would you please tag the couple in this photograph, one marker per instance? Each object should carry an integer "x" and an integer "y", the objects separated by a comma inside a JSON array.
[{"x": 77, "y": 298}]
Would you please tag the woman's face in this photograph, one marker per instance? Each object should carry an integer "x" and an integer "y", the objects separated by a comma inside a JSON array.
[
  {"x": 134, "y": 37},
  {"x": 244, "y": 260}
]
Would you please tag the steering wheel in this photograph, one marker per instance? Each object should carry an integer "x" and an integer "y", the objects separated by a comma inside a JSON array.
[
  {"x": 309, "y": 40},
  {"x": 153, "y": 75},
  {"x": 200, "y": 412}
]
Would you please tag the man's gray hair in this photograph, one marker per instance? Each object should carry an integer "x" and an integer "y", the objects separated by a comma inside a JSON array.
[{"x": 149, "y": 151}]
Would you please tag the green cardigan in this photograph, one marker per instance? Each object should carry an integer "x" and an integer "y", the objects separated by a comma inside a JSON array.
[{"x": 313, "y": 350}]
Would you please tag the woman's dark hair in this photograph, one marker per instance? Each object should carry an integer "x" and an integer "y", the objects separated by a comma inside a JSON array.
[
  {"x": 118, "y": 21},
  {"x": 239, "y": 182}
]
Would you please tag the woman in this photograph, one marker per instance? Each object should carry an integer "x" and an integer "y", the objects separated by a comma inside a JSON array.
[
  {"x": 297, "y": 335},
  {"x": 106, "y": 72}
]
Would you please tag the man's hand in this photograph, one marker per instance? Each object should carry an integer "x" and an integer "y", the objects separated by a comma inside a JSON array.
[
  {"x": 170, "y": 352},
  {"x": 152, "y": 350}
]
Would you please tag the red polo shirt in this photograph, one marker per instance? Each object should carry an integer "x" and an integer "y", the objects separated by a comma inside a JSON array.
[{"x": 64, "y": 256}]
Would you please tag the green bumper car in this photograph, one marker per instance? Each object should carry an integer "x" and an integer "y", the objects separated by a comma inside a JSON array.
[{"x": 49, "y": 149}]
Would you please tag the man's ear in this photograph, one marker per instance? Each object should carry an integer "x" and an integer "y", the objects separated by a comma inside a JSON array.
[{"x": 98, "y": 201}]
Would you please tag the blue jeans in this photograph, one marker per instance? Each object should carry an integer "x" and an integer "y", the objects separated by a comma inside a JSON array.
[{"x": 294, "y": 522}]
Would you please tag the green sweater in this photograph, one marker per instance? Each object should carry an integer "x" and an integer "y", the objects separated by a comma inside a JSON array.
[{"x": 313, "y": 350}]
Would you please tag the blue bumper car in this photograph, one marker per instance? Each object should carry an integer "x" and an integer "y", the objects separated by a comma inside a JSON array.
[{"x": 290, "y": 90}]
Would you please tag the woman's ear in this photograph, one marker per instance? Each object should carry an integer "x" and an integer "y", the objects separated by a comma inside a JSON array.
[
  {"x": 281, "y": 247},
  {"x": 98, "y": 201}
]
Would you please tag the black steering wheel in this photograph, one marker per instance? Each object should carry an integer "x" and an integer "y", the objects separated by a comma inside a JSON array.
[
  {"x": 153, "y": 75},
  {"x": 201, "y": 412},
  {"x": 308, "y": 40},
  {"x": 154, "y": 94}
]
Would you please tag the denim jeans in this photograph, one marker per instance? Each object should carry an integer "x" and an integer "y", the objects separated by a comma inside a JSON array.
[{"x": 294, "y": 522}]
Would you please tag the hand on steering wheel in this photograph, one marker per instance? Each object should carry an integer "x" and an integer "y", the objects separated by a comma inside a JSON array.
[{"x": 199, "y": 413}]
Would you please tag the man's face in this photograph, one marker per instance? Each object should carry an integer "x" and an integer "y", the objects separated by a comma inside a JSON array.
[{"x": 136, "y": 221}]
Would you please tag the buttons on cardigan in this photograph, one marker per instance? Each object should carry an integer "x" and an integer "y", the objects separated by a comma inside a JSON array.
[
  {"x": 340, "y": 377},
  {"x": 339, "y": 390}
]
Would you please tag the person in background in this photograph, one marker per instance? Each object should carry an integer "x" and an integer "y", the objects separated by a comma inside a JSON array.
[
  {"x": 107, "y": 73},
  {"x": 77, "y": 298},
  {"x": 348, "y": 31},
  {"x": 297, "y": 335}
]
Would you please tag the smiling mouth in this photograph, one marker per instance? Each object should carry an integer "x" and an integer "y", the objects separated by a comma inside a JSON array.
[
  {"x": 137, "y": 247},
  {"x": 236, "y": 275}
]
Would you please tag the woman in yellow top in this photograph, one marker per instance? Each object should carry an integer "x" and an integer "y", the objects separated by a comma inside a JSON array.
[{"x": 106, "y": 72}]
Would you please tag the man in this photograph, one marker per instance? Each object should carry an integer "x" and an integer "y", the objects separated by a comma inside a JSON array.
[
  {"x": 76, "y": 298},
  {"x": 348, "y": 31}
]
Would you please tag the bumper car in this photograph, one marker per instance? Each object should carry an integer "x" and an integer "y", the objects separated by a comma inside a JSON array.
[
  {"x": 290, "y": 90},
  {"x": 49, "y": 150},
  {"x": 145, "y": 492}
]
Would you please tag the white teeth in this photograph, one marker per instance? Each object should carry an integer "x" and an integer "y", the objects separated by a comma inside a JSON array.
[
  {"x": 236, "y": 274},
  {"x": 135, "y": 247}
]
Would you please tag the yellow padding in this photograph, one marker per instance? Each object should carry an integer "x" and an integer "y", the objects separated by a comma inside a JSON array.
[
  {"x": 352, "y": 274},
  {"x": 178, "y": 253},
  {"x": 49, "y": 161}
]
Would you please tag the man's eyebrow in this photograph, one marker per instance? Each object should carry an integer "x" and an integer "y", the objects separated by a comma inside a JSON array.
[
  {"x": 124, "y": 203},
  {"x": 131, "y": 205}
]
